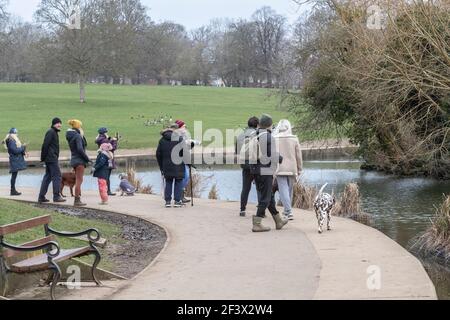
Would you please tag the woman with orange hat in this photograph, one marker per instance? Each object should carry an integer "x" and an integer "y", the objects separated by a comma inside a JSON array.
[{"x": 79, "y": 159}]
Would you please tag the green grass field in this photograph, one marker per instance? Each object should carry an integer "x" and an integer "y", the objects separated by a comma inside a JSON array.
[
  {"x": 30, "y": 108},
  {"x": 14, "y": 212}
]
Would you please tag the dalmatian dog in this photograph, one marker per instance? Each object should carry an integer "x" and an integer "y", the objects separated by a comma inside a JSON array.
[{"x": 323, "y": 204}]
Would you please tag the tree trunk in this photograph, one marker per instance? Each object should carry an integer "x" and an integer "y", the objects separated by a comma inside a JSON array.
[{"x": 82, "y": 90}]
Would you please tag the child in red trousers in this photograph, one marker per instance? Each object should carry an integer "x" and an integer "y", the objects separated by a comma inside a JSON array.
[{"x": 101, "y": 170}]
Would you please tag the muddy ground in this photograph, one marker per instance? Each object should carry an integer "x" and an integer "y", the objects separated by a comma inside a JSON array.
[{"x": 140, "y": 243}]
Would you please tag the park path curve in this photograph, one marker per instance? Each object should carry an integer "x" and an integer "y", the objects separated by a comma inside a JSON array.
[{"x": 212, "y": 254}]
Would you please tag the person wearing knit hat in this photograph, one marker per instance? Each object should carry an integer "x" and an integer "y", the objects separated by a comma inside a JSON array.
[
  {"x": 264, "y": 171},
  {"x": 102, "y": 138},
  {"x": 50, "y": 156},
  {"x": 75, "y": 124},
  {"x": 79, "y": 158},
  {"x": 56, "y": 121},
  {"x": 265, "y": 122},
  {"x": 17, "y": 152}
]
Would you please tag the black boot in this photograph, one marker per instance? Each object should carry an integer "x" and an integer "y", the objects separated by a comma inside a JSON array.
[
  {"x": 110, "y": 193},
  {"x": 14, "y": 192}
]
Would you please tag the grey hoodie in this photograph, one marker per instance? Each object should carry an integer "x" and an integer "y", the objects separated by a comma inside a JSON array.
[{"x": 249, "y": 132}]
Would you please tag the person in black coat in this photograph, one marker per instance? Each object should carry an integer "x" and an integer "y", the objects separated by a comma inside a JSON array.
[
  {"x": 50, "y": 156},
  {"x": 173, "y": 170},
  {"x": 17, "y": 152}
]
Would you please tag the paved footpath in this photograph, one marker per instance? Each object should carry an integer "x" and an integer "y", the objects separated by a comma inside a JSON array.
[{"x": 212, "y": 254}]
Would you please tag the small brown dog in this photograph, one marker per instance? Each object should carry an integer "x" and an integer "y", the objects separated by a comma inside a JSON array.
[{"x": 68, "y": 179}]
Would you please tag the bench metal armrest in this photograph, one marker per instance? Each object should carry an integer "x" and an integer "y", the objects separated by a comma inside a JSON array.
[
  {"x": 90, "y": 234},
  {"x": 50, "y": 246}
]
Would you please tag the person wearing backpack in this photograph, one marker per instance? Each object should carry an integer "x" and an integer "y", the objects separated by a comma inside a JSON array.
[
  {"x": 264, "y": 160},
  {"x": 243, "y": 159},
  {"x": 292, "y": 165}
]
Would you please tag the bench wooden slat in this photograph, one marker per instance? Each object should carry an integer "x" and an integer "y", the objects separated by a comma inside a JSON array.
[
  {"x": 41, "y": 263},
  {"x": 23, "y": 225},
  {"x": 9, "y": 253}
]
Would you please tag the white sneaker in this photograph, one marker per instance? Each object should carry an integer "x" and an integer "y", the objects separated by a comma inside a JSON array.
[{"x": 290, "y": 216}]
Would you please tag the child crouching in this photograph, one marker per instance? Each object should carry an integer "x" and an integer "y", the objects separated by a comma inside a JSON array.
[{"x": 101, "y": 169}]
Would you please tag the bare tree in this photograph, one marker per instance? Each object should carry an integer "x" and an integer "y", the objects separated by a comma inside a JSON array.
[
  {"x": 388, "y": 87},
  {"x": 270, "y": 33},
  {"x": 119, "y": 25},
  {"x": 77, "y": 44}
]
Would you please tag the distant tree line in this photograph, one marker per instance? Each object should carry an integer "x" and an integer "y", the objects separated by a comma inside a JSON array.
[{"x": 119, "y": 43}]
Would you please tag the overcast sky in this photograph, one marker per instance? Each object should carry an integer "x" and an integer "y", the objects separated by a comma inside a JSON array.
[{"x": 190, "y": 13}]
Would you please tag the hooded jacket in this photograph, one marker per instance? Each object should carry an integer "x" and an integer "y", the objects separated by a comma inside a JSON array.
[
  {"x": 290, "y": 150},
  {"x": 101, "y": 166},
  {"x": 164, "y": 155},
  {"x": 77, "y": 145},
  {"x": 101, "y": 139}
]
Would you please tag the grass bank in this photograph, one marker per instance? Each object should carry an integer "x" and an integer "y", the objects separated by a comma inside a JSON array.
[{"x": 127, "y": 109}]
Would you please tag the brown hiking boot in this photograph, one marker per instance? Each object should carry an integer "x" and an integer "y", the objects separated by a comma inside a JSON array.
[
  {"x": 257, "y": 225},
  {"x": 279, "y": 221},
  {"x": 78, "y": 203}
]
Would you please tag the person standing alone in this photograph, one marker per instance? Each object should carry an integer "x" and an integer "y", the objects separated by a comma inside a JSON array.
[
  {"x": 17, "y": 152},
  {"x": 79, "y": 159},
  {"x": 50, "y": 156}
]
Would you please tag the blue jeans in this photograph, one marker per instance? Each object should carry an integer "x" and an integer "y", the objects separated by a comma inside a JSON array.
[
  {"x": 177, "y": 186},
  {"x": 186, "y": 177},
  {"x": 286, "y": 189}
]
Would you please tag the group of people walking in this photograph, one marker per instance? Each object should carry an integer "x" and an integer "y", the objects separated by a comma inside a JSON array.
[
  {"x": 79, "y": 160},
  {"x": 270, "y": 158}
]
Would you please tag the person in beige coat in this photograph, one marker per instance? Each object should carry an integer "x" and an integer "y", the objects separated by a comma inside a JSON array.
[{"x": 291, "y": 168}]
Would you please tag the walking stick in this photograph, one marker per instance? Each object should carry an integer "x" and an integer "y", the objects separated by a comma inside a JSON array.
[{"x": 192, "y": 187}]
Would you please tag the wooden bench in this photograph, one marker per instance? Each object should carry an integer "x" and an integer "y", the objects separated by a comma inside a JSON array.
[{"x": 48, "y": 252}]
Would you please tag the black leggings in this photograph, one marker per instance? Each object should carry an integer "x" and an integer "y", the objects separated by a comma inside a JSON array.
[
  {"x": 13, "y": 180},
  {"x": 108, "y": 181}
]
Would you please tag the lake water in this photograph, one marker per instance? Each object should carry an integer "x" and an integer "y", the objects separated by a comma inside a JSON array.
[{"x": 401, "y": 207}]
